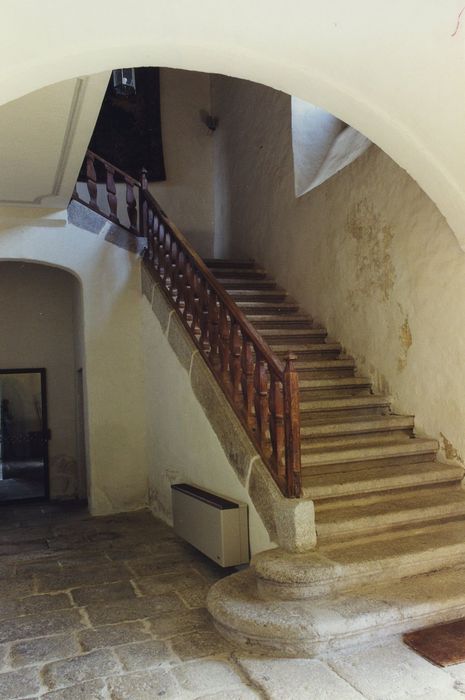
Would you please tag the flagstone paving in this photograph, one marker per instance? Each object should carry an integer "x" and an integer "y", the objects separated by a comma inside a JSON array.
[{"x": 113, "y": 608}]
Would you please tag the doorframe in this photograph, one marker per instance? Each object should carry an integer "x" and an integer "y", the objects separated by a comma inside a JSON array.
[{"x": 45, "y": 429}]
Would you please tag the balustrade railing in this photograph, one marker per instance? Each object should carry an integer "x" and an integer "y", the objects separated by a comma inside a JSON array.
[
  {"x": 101, "y": 193},
  {"x": 263, "y": 390}
]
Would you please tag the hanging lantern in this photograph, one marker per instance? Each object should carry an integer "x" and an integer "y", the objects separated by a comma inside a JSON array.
[{"x": 124, "y": 81}]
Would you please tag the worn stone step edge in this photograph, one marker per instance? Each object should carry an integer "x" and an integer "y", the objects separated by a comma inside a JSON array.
[
  {"x": 354, "y": 440},
  {"x": 369, "y": 520},
  {"x": 373, "y": 400},
  {"x": 383, "y": 451},
  {"x": 228, "y": 262},
  {"x": 291, "y": 334},
  {"x": 376, "y": 480},
  {"x": 343, "y": 566},
  {"x": 347, "y": 427}
]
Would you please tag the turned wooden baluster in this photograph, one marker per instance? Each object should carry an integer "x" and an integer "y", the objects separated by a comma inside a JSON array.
[
  {"x": 150, "y": 233},
  {"x": 173, "y": 256},
  {"x": 111, "y": 194},
  {"x": 235, "y": 369},
  {"x": 214, "y": 329},
  {"x": 277, "y": 424},
  {"x": 91, "y": 178},
  {"x": 224, "y": 343},
  {"x": 181, "y": 270},
  {"x": 188, "y": 308},
  {"x": 167, "y": 255},
  {"x": 161, "y": 251},
  {"x": 261, "y": 400},
  {"x": 292, "y": 418},
  {"x": 195, "y": 304},
  {"x": 131, "y": 206},
  {"x": 247, "y": 362},
  {"x": 204, "y": 304},
  {"x": 143, "y": 206}
]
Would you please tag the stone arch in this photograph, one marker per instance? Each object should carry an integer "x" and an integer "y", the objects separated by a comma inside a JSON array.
[{"x": 318, "y": 53}]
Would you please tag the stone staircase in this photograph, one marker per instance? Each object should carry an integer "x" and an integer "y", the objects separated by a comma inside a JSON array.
[{"x": 389, "y": 517}]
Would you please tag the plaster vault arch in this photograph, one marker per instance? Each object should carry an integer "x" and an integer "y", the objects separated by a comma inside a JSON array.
[{"x": 392, "y": 71}]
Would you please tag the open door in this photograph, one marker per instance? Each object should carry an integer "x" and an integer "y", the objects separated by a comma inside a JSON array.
[{"x": 24, "y": 435}]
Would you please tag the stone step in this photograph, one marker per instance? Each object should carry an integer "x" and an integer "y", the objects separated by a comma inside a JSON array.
[
  {"x": 333, "y": 387},
  {"x": 251, "y": 273},
  {"x": 341, "y": 566},
  {"x": 291, "y": 320},
  {"x": 245, "y": 283},
  {"x": 353, "y": 425},
  {"x": 267, "y": 306},
  {"x": 358, "y": 453},
  {"x": 309, "y": 385},
  {"x": 349, "y": 403},
  {"x": 347, "y": 482},
  {"x": 302, "y": 348},
  {"x": 289, "y": 335},
  {"x": 325, "y": 368},
  {"x": 276, "y": 295},
  {"x": 337, "y": 442},
  {"x": 220, "y": 263},
  {"x": 376, "y": 512},
  {"x": 365, "y": 615}
]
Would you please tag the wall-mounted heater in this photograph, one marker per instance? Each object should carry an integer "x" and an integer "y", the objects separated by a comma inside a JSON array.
[{"x": 215, "y": 525}]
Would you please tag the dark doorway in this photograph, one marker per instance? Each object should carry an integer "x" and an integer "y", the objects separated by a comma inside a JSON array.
[
  {"x": 23, "y": 435},
  {"x": 128, "y": 128}
]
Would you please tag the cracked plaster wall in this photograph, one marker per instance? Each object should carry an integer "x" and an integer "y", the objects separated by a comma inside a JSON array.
[{"x": 367, "y": 254}]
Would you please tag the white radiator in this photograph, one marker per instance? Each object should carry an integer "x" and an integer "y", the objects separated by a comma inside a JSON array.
[{"x": 215, "y": 525}]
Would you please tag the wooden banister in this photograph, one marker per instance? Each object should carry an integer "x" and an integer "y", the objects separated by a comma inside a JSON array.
[{"x": 263, "y": 390}]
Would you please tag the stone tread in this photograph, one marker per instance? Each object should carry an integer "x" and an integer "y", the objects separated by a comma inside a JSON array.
[
  {"x": 241, "y": 282},
  {"x": 348, "y": 483},
  {"x": 279, "y": 319},
  {"x": 339, "y": 566},
  {"x": 290, "y": 334},
  {"x": 338, "y": 516},
  {"x": 362, "y": 440},
  {"x": 258, "y": 293},
  {"x": 336, "y": 383},
  {"x": 345, "y": 403},
  {"x": 384, "y": 450},
  {"x": 268, "y": 305},
  {"x": 229, "y": 262},
  {"x": 305, "y": 348},
  {"x": 354, "y": 424}
]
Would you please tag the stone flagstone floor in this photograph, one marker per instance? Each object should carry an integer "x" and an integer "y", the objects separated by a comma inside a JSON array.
[{"x": 113, "y": 608}]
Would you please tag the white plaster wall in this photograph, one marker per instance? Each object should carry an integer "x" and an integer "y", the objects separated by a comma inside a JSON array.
[
  {"x": 367, "y": 253},
  {"x": 181, "y": 443},
  {"x": 110, "y": 278},
  {"x": 37, "y": 330},
  {"x": 187, "y": 193}
]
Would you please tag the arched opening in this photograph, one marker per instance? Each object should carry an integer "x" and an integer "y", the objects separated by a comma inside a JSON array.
[{"x": 41, "y": 379}]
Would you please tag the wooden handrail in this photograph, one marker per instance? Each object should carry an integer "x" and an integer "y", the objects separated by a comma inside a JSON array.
[{"x": 263, "y": 390}]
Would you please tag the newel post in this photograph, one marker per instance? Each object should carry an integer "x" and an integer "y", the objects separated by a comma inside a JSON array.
[
  {"x": 144, "y": 185},
  {"x": 292, "y": 421}
]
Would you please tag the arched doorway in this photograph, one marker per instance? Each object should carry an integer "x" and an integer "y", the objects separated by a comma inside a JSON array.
[{"x": 41, "y": 361}]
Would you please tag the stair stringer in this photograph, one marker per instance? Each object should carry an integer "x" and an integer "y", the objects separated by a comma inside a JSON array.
[{"x": 290, "y": 523}]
